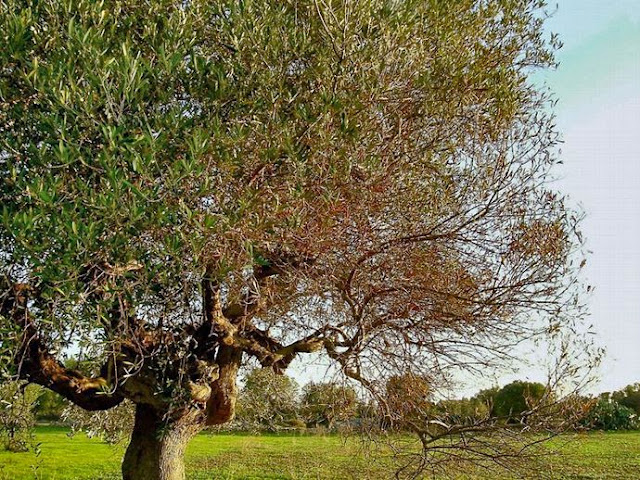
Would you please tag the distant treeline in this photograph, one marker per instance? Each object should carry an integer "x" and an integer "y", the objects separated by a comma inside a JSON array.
[{"x": 270, "y": 402}]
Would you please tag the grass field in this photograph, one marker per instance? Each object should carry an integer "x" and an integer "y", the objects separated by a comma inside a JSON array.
[{"x": 235, "y": 457}]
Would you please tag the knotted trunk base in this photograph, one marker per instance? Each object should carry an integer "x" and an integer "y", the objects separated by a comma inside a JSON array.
[{"x": 157, "y": 447}]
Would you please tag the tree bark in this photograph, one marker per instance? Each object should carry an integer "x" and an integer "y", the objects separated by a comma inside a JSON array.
[
  {"x": 224, "y": 391},
  {"x": 157, "y": 447}
]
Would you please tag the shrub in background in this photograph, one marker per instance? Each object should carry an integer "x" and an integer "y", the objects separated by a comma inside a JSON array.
[
  {"x": 606, "y": 414},
  {"x": 17, "y": 418}
]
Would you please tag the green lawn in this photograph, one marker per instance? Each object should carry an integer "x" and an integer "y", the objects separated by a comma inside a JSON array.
[{"x": 235, "y": 457}]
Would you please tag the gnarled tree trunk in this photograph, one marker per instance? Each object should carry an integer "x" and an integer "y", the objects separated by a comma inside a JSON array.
[
  {"x": 161, "y": 433},
  {"x": 157, "y": 447}
]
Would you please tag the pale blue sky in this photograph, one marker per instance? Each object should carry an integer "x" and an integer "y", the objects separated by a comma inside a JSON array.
[{"x": 598, "y": 88}]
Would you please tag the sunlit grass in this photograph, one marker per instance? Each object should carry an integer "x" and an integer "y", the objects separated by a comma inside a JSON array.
[{"x": 234, "y": 457}]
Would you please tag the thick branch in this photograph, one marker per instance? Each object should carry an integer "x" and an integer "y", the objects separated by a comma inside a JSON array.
[
  {"x": 91, "y": 393},
  {"x": 35, "y": 363}
]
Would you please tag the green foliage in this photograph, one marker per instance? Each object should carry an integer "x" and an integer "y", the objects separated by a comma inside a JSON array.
[
  {"x": 629, "y": 397},
  {"x": 50, "y": 406},
  {"x": 17, "y": 419},
  {"x": 267, "y": 401},
  {"x": 517, "y": 398},
  {"x": 606, "y": 414},
  {"x": 487, "y": 395}
]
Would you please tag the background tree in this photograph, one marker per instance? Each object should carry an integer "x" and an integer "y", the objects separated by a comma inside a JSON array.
[
  {"x": 487, "y": 395},
  {"x": 629, "y": 397},
  {"x": 326, "y": 403},
  {"x": 408, "y": 401},
  {"x": 464, "y": 411},
  {"x": 514, "y": 400},
  {"x": 188, "y": 185},
  {"x": 267, "y": 401},
  {"x": 50, "y": 406}
]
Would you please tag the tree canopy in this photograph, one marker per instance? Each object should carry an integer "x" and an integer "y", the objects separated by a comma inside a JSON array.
[
  {"x": 186, "y": 185},
  {"x": 517, "y": 398},
  {"x": 629, "y": 397}
]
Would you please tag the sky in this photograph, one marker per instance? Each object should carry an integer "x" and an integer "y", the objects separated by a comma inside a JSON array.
[{"x": 597, "y": 85}]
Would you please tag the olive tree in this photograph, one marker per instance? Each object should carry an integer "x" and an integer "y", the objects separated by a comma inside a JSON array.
[
  {"x": 267, "y": 401},
  {"x": 188, "y": 185},
  {"x": 328, "y": 403}
]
